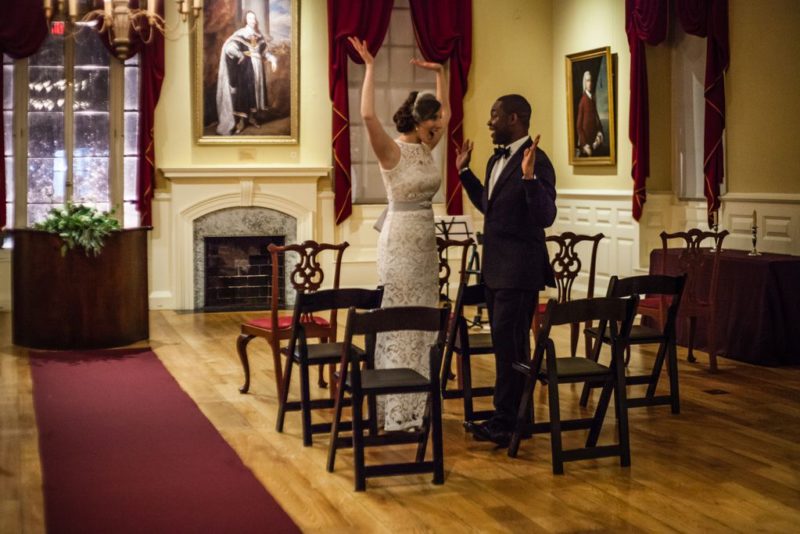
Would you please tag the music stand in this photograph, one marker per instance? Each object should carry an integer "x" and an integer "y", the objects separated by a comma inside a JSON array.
[{"x": 459, "y": 227}]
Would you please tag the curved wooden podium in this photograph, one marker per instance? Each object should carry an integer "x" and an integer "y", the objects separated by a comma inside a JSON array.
[{"x": 79, "y": 301}]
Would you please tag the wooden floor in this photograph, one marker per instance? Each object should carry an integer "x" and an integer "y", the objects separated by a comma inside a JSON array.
[{"x": 730, "y": 462}]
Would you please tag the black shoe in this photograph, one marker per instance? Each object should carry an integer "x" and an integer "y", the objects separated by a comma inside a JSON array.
[{"x": 492, "y": 430}]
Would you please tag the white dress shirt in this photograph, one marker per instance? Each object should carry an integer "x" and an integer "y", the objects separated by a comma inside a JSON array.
[{"x": 501, "y": 163}]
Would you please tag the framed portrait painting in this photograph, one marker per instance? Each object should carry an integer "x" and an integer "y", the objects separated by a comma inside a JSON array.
[
  {"x": 246, "y": 71},
  {"x": 590, "y": 108}
]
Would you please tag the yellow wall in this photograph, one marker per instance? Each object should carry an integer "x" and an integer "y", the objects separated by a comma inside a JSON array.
[
  {"x": 761, "y": 92},
  {"x": 519, "y": 46},
  {"x": 175, "y": 142},
  {"x": 511, "y": 53}
]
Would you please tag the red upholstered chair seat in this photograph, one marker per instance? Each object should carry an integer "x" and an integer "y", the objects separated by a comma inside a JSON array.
[
  {"x": 285, "y": 322},
  {"x": 650, "y": 302},
  {"x": 541, "y": 308}
]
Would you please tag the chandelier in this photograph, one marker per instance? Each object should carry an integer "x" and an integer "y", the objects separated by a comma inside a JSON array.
[{"x": 119, "y": 19}]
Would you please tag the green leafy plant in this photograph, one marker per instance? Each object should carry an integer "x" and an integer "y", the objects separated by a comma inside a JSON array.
[{"x": 79, "y": 225}]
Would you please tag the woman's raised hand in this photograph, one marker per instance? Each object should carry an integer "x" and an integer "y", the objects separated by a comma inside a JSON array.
[
  {"x": 427, "y": 65},
  {"x": 361, "y": 48}
]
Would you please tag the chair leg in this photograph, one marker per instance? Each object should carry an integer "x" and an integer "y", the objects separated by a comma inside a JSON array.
[
  {"x": 446, "y": 363},
  {"x": 241, "y": 348},
  {"x": 692, "y": 328},
  {"x": 337, "y": 418},
  {"x": 332, "y": 380},
  {"x": 422, "y": 445},
  {"x": 657, "y": 365},
  {"x": 358, "y": 443},
  {"x": 305, "y": 403},
  {"x": 712, "y": 346},
  {"x": 599, "y": 415},
  {"x": 555, "y": 428},
  {"x": 524, "y": 405},
  {"x": 459, "y": 378},
  {"x": 275, "y": 345},
  {"x": 438, "y": 447},
  {"x": 321, "y": 378},
  {"x": 466, "y": 370},
  {"x": 621, "y": 405},
  {"x": 284, "y": 397},
  {"x": 674, "y": 392}
]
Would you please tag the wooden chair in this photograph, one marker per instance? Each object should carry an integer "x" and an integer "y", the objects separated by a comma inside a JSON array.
[
  {"x": 299, "y": 352},
  {"x": 667, "y": 287},
  {"x": 371, "y": 382},
  {"x": 566, "y": 267},
  {"x": 307, "y": 276},
  {"x": 466, "y": 343},
  {"x": 545, "y": 366},
  {"x": 701, "y": 266}
]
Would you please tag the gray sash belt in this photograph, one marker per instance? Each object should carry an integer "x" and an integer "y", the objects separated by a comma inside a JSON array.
[{"x": 410, "y": 205}]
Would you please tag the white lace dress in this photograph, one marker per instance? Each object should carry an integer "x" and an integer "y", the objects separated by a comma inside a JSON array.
[{"x": 408, "y": 270}]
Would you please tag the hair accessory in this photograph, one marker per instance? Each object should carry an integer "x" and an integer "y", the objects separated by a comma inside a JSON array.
[{"x": 414, "y": 109}]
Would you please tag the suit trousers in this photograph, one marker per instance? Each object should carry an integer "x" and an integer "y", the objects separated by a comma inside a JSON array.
[{"x": 510, "y": 315}]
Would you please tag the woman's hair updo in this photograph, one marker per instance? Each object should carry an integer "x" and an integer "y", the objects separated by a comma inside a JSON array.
[{"x": 416, "y": 109}]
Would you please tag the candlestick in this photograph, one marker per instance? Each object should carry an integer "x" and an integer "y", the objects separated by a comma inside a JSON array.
[
  {"x": 755, "y": 217},
  {"x": 151, "y": 6},
  {"x": 107, "y": 8},
  {"x": 73, "y": 9},
  {"x": 755, "y": 251}
]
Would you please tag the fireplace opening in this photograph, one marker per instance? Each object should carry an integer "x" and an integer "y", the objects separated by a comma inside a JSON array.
[{"x": 238, "y": 273}]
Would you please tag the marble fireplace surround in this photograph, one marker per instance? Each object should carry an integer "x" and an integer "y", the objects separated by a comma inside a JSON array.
[
  {"x": 238, "y": 222},
  {"x": 290, "y": 197}
]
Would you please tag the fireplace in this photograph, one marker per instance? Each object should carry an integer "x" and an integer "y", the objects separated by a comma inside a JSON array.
[
  {"x": 239, "y": 273},
  {"x": 232, "y": 267}
]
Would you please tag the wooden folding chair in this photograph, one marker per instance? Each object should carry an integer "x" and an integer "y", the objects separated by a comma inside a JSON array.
[
  {"x": 372, "y": 382},
  {"x": 546, "y": 367}
]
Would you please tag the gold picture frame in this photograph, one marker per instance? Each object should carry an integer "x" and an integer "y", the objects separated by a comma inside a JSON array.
[
  {"x": 238, "y": 99},
  {"x": 590, "y": 108}
]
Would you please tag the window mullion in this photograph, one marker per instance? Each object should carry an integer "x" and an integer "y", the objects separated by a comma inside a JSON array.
[
  {"x": 69, "y": 105},
  {"x": 116, "y": 143},
  {"x": 20, "y": 118}
]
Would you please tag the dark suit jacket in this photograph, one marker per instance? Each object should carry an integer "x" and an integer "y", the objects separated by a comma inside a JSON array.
[{"x": 514, "y": 251}]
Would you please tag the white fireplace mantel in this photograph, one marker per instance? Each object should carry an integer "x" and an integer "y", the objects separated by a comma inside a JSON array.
[
  {"x": 300, "y": 192},
  {"x": 244, "y": 171}
]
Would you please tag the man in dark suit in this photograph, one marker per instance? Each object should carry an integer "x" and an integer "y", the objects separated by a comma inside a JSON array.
[{"x": 518, "y": 203}]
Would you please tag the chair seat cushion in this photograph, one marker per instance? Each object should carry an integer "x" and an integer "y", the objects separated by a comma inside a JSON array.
[
  {"x": 285, "y": 322},
  {"x": 390, "y": 379},
  {"x": 323, "y": 352},
  {"x": 572, "y": 367},
  {"x": 541, "y": 307}
]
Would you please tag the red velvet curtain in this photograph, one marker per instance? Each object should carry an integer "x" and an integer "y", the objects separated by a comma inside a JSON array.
[
  {"x": 23, "y": 29},
  {"x": 709, "y": 18},
  {"x": 368, "y": 20},
  {"x": 646, "y": 21},
  {"x": 151, "y": 77},
  {"x": 444, "y": 32}
]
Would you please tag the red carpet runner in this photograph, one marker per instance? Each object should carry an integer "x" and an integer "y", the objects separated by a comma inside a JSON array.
[{"x": 124, "y": 449}]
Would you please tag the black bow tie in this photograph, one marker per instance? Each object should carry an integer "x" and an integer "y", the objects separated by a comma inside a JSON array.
[{"x": 502, "y": 152}]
